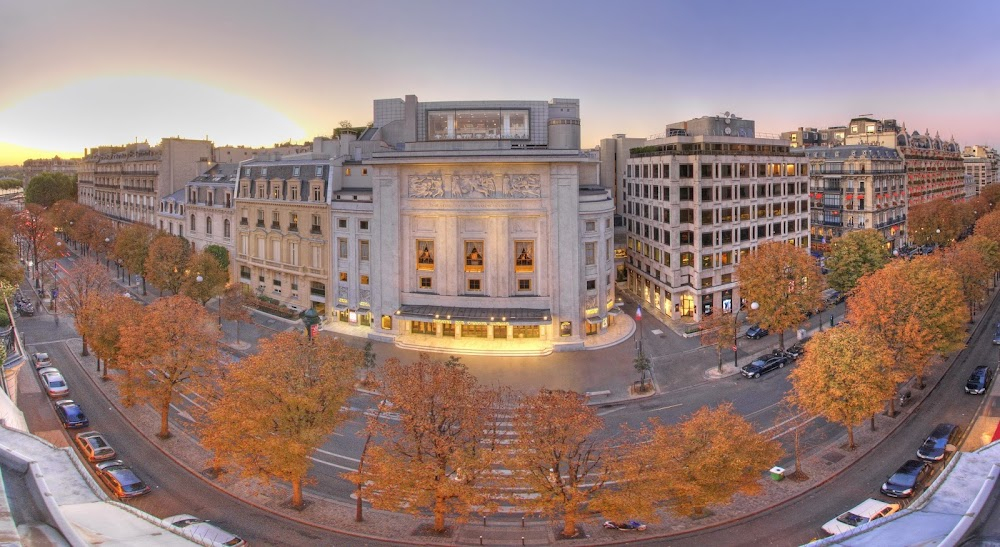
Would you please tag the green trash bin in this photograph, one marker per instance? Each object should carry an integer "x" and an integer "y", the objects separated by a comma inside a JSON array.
[{"x": 777, "y": 473}]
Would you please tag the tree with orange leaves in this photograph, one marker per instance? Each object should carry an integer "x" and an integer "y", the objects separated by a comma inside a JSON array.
[
  {"x": 167, "y": 262},
  {"x": 103, "y": 318},
  {"x": 989, "y": 249},
  {"x": 785, "y": 282},
  {"x": 557, "y": 454},
  {"x": 842, "y": 376},
  {"x": 281, "y": 404},
  {"x": 173, "y": 345},
  {"x": 85, "y": 279},
  {"x": 989, "y": 226},
  {"x": 440, "y": 454},
  {"x": 934, "y": 222},
  {"x": 973, "y": 271},
  {"x": 916, "y": 308}
]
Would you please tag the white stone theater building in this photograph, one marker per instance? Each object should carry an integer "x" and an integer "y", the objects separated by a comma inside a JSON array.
[{"x": 489, "y": 225}]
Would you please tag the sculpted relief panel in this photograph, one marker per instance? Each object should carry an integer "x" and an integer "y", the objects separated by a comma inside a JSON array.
[{"x": 474, "y": 186}]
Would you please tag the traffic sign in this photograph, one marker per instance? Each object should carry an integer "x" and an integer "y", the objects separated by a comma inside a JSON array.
[{"x": 638, "y": 313}]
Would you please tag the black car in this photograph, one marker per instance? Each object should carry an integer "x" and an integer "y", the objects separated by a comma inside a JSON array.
[
  {"x": 796, "y": 351},
  {"x": 70, "y": 414},
  {"x": 996, "y": 336},
  {"x": 755, "y": 332},
  {"x": 905, "y": 481},
  {"x": 980, "y": 380},
  {"x": 764, "y": 365},
  {"x": 937, "y": 442},
  {"x": 120, "y": 478}
]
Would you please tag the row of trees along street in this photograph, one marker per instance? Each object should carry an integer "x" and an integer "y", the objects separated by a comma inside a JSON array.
[{"x": 903, "y": 316}]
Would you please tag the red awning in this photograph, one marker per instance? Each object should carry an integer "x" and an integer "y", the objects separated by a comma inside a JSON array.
[{"x": 996, "y": 433}]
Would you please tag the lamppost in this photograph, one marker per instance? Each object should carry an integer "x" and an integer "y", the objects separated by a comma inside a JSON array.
[
  {"x": 736, "y": 332},
  {"x": 107, "y": 248}
]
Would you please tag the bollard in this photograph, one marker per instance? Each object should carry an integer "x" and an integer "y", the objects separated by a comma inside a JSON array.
[
  {"x": 484, "y": 521},
  {"x": 480, "y": 540},
  {"x": 522, "y": 540},
  {"x": 522, "y": 522}
]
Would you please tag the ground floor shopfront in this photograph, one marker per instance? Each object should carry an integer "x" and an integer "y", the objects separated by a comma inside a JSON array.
[{"x": 684, "y": 302}]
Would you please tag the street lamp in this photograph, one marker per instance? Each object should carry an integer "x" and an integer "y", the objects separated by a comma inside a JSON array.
[
  {"x": 736, "y": 333},
  {"x": 107, "y": 248}
]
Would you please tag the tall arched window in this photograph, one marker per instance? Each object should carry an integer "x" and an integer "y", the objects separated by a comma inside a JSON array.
[
  {"x": 192, "y": 223},
  {"x": 208, "y": 226},
  {"x": 225, "y": 228}
]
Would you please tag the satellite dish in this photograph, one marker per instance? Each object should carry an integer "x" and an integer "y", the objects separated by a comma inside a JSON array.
[
  {"x": 726, "y": 115},
  {"x": 728, "y": 130}
]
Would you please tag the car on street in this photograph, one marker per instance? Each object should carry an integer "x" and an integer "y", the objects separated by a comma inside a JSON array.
[
  {"x": 93, "y": 445},
  {"x": 70, "y": 414},
  {"x": 996, "y": 336},
  {"x": 980, "y": 380},
  {"x": 41, "y": 360},
  {"x": 864, "y": 513},
  {"x": 755, "y": 332},
  {"x": 53, "y": 381},
  {"x": 796, "y": 350},
  {"x": 205, "y": 531},
  {"x": 905, "y": 481},
  {"x": 120, "y": 478},
  {"x": 764, "y": 365},
  {"x": 936, "y": 444}
]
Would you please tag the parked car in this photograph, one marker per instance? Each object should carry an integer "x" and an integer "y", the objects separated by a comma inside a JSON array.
[
  {"x": 70, "y": 414},
  {"x": 832, "y": 297},
  {"x": 905, "y": 481},
  {"x": 863, "y": 513},
  {"x": 996, "y": 336},
  {"x": 55, "y": 384},
  {"x": 764, "y": 365},
  {"x": 937, "y": 442},
  {"x": 41, "y": 360},
  {"x": 197, "y": 528},
  {"x": 120, "y": 478},
  {"x": 796, "y": 351},
  {"x": 980, "y": 380},
  {"x": 755, "y": 332},
  {"x": 93, "y": 445}
]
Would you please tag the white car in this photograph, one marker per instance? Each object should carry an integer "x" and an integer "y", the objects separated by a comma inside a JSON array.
[
  {"x": 864, "y": 513},
  {"x": 196, "y": 528},
  {"x": 41, "y": 360},
  {"x": 53, "y": 381}
]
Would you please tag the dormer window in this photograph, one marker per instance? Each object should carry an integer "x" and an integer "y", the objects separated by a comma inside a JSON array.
[
  {"x": 295, "y": 171},
  {"x": 319, "y": 170},
  {"x": 211, "y": 199}
]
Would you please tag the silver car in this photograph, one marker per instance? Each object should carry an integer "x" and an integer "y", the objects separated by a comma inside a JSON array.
[
  {"x": 203, "y": 530},
  {"x": 55, "y": 384}
]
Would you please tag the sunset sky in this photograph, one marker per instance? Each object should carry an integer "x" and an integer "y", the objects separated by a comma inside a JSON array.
[{"x": 78, "y": 74}]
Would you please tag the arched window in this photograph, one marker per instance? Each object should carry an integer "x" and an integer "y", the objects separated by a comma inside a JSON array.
[
  {"x": 225, "y": 228},
  {"x": 192, "y": 223},
  {"x": 208, "y": 225}
]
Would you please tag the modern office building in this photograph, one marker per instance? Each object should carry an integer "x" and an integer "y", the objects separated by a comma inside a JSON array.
[
  {"x": 856, "y": 187},
  {"x": 981, "y": 163},
  {"x": 490, "y": 224},
  {"x": 126, "y": 183},
  {"x": 33, "y": 168},
  {"x": 700, "y": 198}
]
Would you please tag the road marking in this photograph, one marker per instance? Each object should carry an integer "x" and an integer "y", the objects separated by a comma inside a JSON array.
[
  {"x": 182, "y": 413},
  {"x": 665, "y": 407},
  {"x": 606, "y": 412},
  {"x": 775, "y": 426},
  {"x": 317, "y": 460},
  {"x": 793, "y": 429},
  {"x": 334, "y": 454}
]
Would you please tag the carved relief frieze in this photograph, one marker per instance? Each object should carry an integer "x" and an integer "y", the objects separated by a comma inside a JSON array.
[{"x": 474, "y": 186}]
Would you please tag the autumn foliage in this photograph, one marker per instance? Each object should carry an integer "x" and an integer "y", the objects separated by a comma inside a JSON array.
[
  {"x": 854, "y": 255},
  {"x": 279, "y": 405},
  {"x": 171, "y": 346},
  {"x": 86, "y": 278},
  {"x": 843, "y": 376},
  {"x": 785, "y": 282}
]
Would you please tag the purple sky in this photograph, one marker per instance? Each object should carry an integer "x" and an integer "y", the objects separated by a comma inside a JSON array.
[{"x": 81, "y": 74}]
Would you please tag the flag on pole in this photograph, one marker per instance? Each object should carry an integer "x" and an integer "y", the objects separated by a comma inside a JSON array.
[{"x": 638, "y": 313}]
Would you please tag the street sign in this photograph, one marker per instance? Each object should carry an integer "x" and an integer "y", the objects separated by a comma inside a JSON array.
[
  {"x": 638, "y": 313},
  {"x": 734, "y": 348}
]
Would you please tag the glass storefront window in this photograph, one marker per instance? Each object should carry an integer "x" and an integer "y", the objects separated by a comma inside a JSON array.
[
  {"x": 533, "y": 331},
  {"x": 477, "y": 124},
  {"x": 474, "y": 331},
  {"x": 422, "y": 327},
  {"x": 500, "y": 331}
]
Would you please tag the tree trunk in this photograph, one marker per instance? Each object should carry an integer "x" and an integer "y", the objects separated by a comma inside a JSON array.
[
  {"x": 164, "y": 422},
  {"x": 98, "y": 364},
  {"x": 720, "y": 359},
  {"x": 85, "y": 351},
  {"x": 237, "y": 333},
  {"x": 358, "y": 516},
  {"x": 297, "y": 492},
  {"x": 143, "y": 285},
  {"x": 798, "y": 450},
  {"x": 850, "y": 437},
  {"x": 892, "y": 406},
  {"x": 569, "y": 523},
  {"x": 439, "y": 511},
  {"x": 873, "y": 421},
  {"x": 781, "y": 340}
]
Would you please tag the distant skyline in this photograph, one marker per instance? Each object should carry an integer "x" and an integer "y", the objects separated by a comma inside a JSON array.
[{"x": 106, "y": 72}]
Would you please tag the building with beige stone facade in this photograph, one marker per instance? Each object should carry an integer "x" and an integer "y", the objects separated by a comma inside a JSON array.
[
  {"x": 981, "y": 163},
  {"x": 856, "y": 187},
  {"x": 489, "y": 224},
  {"x": 126, "y": 183},
  {"x": 700, "y": 198}
]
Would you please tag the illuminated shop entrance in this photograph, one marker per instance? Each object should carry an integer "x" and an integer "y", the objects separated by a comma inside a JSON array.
[{"x": 498, "y": 324}]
